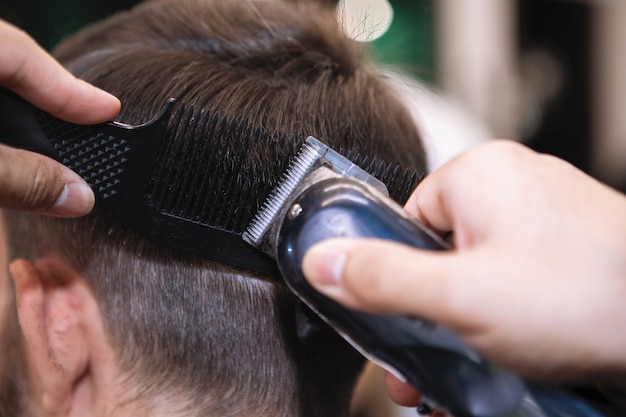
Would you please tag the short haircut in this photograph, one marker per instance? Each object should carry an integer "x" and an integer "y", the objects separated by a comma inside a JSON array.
[{"x": 220, "y": 340}]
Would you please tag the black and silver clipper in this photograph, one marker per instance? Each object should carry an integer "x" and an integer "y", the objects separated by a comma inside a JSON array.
[{"x": 324, "y": 195}]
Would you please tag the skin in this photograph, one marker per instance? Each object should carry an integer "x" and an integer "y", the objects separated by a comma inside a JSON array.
[
  {"x": 537, "y": 277},
  {"x": 33, "y": 182}
]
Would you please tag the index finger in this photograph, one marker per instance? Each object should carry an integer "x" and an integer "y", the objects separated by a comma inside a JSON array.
[
  {"x": 428, "y": 205},
  {"x": 31, "y": 72}
]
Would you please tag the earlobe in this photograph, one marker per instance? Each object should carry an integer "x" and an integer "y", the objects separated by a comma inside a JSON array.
[{"x": 51, "y": 304}]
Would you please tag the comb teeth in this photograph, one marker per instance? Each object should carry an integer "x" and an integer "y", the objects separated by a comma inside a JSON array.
[
  {"x": 211, "y": 187},
  {"x": 222, "y": 184},
  {"x": 302, "y": 164}
]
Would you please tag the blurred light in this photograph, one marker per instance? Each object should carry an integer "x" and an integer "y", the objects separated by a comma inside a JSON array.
[{"x": 365, "y": 20}]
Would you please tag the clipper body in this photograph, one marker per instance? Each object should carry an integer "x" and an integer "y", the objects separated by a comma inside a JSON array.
[
  {"x": 324, "y": 197},
  {"x": 430, "y": 357}
]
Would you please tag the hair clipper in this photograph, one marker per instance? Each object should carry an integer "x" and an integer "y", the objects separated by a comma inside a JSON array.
[{"x": 324, "y": 195}]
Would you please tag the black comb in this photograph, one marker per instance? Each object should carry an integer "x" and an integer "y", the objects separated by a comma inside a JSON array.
[{"x": 177, "y": 179}]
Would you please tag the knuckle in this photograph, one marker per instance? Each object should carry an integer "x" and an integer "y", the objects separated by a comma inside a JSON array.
[
  {"x": 12, "y": 74},
  {"x": 41, "y": 189},
  {"x": 507, "y": 150},
  {"x": 482, "y": 162}
]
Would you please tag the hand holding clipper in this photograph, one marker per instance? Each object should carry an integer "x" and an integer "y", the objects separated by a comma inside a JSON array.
[{"x": 323, "y": 196}]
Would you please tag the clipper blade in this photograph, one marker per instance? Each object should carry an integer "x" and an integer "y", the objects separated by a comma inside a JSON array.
[
  {"x": 313, "y": 153},
  {"x": 304, "y": 162}
]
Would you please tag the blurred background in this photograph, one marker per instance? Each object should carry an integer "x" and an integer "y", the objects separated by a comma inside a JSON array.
[{"x": 549, "y": 73}]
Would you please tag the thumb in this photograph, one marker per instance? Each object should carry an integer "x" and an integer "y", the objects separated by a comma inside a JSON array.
[
  {"x": 33, "y": 182},
  {"x": 381, "y": 276}
]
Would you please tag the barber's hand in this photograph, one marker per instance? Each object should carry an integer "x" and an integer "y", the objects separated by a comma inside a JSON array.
[
  {"x": 537, "y": 277},
  {"x": 33, "y": 182}
]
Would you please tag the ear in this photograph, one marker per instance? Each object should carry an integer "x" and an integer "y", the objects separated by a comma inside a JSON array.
[{"x": 61, "y": 325}]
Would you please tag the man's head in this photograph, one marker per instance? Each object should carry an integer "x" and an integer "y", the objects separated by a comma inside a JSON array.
[{"x": 110, "y": 323}]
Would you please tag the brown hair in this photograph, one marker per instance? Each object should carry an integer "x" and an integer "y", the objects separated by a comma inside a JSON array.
[{"x": 222, "y": 340}]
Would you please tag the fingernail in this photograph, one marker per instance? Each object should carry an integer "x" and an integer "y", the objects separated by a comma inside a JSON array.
[
  {"x": 324, "y": 264},
  {"x": 76, "y": 199}
]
